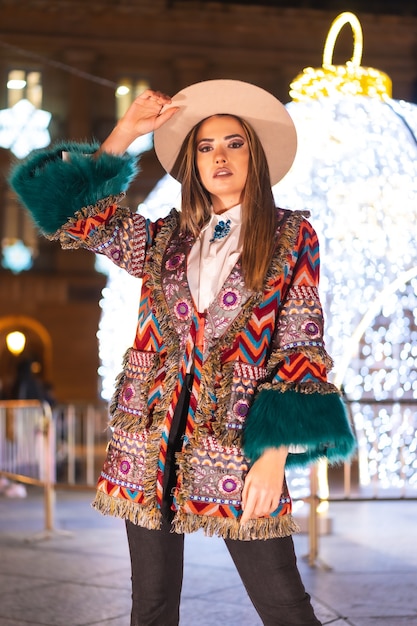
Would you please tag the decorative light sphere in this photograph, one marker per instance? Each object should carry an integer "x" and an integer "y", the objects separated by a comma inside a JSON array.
[{"x": 356, "y": 172}]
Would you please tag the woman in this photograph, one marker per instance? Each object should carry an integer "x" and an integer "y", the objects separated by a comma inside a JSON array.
[{"x": 226, "y": 383}]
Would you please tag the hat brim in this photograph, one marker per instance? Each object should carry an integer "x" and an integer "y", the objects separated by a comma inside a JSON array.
[{"x": 266, "y": 114}]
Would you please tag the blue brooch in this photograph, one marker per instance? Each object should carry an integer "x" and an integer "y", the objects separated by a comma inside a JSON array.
[{"x": 221, "y": 230}]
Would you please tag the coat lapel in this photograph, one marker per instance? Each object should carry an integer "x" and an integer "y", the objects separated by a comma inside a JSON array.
[{"x": 221, "y": 313}]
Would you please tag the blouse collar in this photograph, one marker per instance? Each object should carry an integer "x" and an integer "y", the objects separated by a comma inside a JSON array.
[{"x": 234, "y": 214}]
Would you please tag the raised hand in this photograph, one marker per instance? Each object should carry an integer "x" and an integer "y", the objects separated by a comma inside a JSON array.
[{"x": 144, "y": 115}]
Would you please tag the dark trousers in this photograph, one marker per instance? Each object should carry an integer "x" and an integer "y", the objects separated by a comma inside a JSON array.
[{"x": 268, "y": 568}]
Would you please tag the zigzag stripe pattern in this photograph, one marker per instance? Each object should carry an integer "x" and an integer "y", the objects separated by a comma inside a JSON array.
[
  {"x": 164, "y": 440},
  {"x": 249, "y": 341},
  {"x": 211, "y": 508},
  {"x": 110, "y": 489},
  {"x": 148, "y": 334},
  {"x": 196, "y": 343},
  {"x": 252, "y": 344},
  {"x": 189, "y": 347},
  {"x": 83, "y": 227},
  {"x": 298, "y": 368},
  {"x": 214, "y": 509},
  {"x": 308, "y": 264},
  {"x": 156, "y": 390}
]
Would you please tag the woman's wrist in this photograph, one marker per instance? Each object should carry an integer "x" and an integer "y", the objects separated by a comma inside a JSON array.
[
  {"x": 276, "y": 453},
  {"x": 118, "y": 141}
]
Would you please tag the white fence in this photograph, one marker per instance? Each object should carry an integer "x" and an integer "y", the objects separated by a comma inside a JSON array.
[
  {"x": 27, "y": 446},
  {"x": 63, "y": 448},
  {"x": 81, "y": 436}
]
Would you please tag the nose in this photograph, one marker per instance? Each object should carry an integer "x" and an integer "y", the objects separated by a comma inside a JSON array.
[{"x": 220, "y": 156}]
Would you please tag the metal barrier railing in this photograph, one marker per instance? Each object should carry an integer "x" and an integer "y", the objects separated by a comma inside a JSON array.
[
  {"x": 81, "y": 439},
  {"x": 27, "y": 448},
  {"x": 386, "y": 462},
  {"x": 62, "y": 448}
]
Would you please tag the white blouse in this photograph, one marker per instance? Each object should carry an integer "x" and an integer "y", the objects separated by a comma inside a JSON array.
[{"x": 212, "y": 259}]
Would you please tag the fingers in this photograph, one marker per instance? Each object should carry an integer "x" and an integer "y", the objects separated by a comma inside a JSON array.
[
  {"x": 256, "y": 502},
  {"x": 248, "y": 510},
  {"x": 156, "y": 97},
  {"x": 165, "y": 116},
  {"x": 256, "y": 505},
  {"x": 154, "y": 105}
]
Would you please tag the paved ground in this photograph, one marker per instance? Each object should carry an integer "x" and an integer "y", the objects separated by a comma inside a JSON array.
[{"x": 367, "y": 574}]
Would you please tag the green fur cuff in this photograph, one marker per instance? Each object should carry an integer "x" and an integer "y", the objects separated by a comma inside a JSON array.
[
  {"x": 53, "y": 190},
  {"x": 316, "y": 421}
]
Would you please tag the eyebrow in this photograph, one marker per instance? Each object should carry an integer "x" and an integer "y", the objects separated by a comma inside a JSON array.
[{"x": 226, "y": 138}]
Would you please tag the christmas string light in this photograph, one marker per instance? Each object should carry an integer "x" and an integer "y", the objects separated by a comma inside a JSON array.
[{"x": 59, "y": 65}]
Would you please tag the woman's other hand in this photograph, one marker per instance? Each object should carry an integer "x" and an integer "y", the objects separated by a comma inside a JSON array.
[
  {"x": 144, "y": 115},
  {"x": 263, "y": 485}
]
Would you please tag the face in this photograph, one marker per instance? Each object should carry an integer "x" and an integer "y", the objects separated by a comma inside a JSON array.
[{"x": 222, "y": 159}]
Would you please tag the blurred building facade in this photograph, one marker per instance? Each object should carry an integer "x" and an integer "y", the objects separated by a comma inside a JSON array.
[{"x": 73, "y": 55}]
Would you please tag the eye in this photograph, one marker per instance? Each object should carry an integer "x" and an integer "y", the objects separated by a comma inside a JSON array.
[
  {"x": 204, "y": 148},
  {"x": 236, "y": 143}
]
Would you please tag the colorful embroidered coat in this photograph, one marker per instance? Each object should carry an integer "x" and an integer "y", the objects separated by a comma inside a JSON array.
[{"x": 259, "y": 362}]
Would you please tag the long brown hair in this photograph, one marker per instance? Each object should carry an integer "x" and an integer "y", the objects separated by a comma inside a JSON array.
[{"x": 258, "y": 206}]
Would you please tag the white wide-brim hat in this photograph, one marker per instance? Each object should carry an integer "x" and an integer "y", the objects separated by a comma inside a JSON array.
[{"x": 266, "y": 114}]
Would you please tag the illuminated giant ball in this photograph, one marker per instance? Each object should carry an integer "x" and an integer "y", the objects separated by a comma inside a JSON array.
[{"x": 356, "y": 172}]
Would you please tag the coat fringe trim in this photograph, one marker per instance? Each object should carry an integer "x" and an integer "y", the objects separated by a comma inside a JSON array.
[
  {"x": 321, "y": 387},
  {"x": 153, "y": 270},
  {"x": 163, "y": 315},
  {"x": 286, "y": 239},
  {"x": 231, "y": 528},
  {"x": 227, "y": 528},
  {"x": 137, "y": 514},
  {"x": 119, "y": 419},
  {"x": 153, "y": 420},
  {"x": 100, "y": 233},
  {"x": 122, "y": 420},
  {"x": 316, "y": 355}
]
